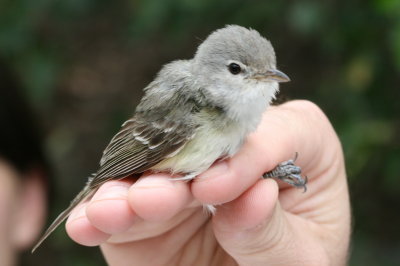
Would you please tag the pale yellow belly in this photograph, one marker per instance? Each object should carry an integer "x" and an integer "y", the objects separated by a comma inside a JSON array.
[{"x": 208, "y": 145}]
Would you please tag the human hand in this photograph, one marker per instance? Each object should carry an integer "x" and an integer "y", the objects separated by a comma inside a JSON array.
[{"x": 157, "y": 221}]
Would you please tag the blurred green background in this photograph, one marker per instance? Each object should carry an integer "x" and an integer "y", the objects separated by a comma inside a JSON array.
[{"x": 84, "y": 63}]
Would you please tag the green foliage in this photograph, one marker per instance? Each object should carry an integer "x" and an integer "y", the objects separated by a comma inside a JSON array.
[{"x": 77, "y": 58}]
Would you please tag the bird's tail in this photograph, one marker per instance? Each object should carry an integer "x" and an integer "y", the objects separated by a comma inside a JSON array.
[{"x": 84, "y": 194}]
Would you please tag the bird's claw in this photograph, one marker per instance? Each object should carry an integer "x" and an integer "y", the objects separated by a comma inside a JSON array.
[{"x": 290, "y": 173}]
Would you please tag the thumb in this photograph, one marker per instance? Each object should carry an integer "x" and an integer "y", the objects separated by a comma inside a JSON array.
[{"x": 255, "y": 230}]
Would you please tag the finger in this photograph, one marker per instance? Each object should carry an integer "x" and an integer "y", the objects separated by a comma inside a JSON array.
[
  {"x": 254, "y": 230},
  {"x": 160, "y": 247},
  {"x": 109, "y": 210},
  {"x": 80, "y": 229},
  {"x": 282, "y": 132},
  {"x": 157, "y": 197}
]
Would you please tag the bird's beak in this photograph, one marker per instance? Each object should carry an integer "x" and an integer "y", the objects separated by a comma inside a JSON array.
[{"x": 272, "y": 75}]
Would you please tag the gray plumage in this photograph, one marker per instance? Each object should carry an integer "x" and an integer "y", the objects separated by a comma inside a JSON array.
[{"x": 194, "y": 112}]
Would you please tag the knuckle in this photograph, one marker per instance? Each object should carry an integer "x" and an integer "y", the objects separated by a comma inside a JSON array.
[
  {"x": 311, "y": 113},
  {"x": 308, "y": 107}
]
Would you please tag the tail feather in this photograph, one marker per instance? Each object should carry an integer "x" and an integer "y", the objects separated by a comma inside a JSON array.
[{"x": 84, "y": 194}]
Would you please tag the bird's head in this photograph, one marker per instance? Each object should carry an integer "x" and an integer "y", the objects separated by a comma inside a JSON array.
[
  {"x": 238, "y": 68},
  {"x": 237, "y": 54}
]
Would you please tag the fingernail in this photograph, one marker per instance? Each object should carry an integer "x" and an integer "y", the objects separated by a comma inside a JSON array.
[
  {"x": 79, "y": 212},
  {"x": 216, "y": 170},
  {"x": 115, "y": 191},
  {"x": 154, "y": 181}
]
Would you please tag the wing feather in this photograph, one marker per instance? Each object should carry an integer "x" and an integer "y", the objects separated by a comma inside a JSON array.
[
  {"x": 162, "y": 125},
  {"x": 139, "y": 145}
]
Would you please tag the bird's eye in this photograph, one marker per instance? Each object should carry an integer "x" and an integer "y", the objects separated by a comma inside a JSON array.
[{"x": 234, "y": 68}]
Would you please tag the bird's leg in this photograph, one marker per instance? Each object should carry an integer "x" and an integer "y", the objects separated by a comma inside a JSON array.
[{"x": 290, "y": 173}]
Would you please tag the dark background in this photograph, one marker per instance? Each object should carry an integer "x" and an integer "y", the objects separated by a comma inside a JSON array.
[{"x": 84, "y": 63}]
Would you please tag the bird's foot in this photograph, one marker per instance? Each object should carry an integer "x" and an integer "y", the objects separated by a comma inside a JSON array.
[{"x": 290, "y": 173}]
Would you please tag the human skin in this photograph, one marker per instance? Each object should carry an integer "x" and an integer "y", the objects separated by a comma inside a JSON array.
[
  {"x": 157, "y": 221},
  {"x": 22, "y": 210}
]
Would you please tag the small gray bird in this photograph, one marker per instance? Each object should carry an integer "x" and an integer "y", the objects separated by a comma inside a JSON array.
[{"x": 195, "y": 112}]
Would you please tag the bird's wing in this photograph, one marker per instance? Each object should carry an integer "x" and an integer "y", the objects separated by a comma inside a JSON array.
[
  {"x": 163, "y": 123},
  {"x": 139, "y": 145}
]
